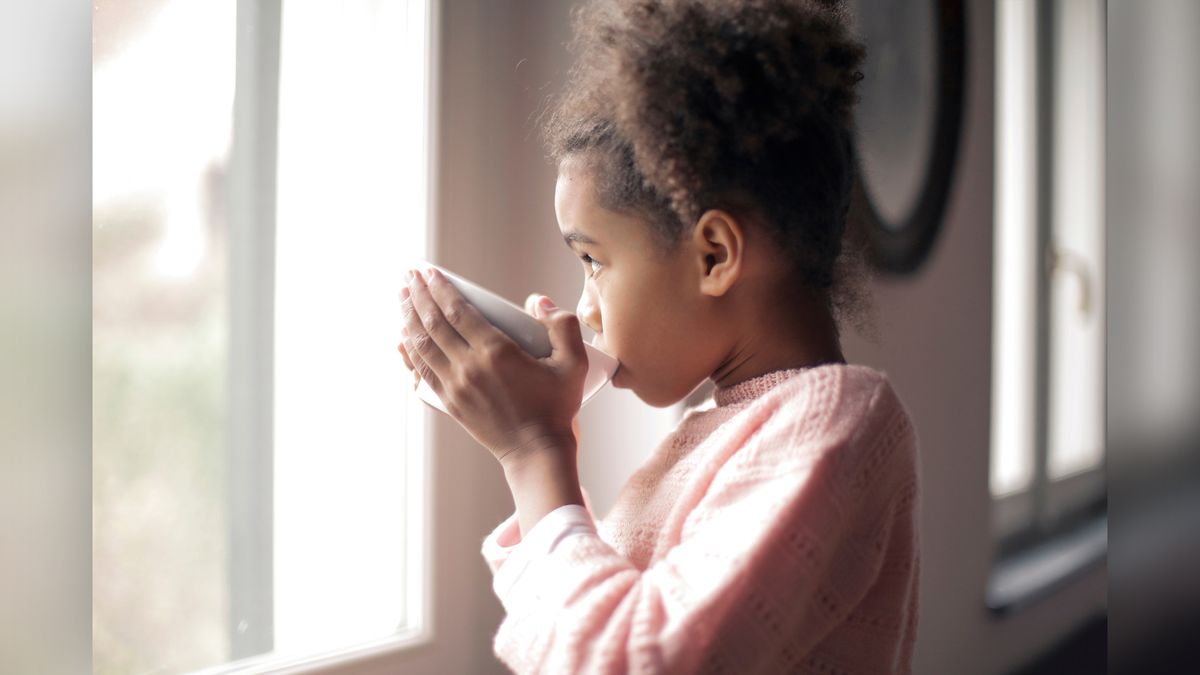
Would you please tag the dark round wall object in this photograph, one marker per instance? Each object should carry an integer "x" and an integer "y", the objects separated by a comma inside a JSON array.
[{"x": 908, "y": 124}]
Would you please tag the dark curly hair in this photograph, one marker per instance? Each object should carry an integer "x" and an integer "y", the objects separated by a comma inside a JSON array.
[{"x": 679, "y": 106}]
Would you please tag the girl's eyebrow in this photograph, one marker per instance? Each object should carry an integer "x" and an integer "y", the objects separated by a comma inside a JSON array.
[{"x": 574, "y": 236}]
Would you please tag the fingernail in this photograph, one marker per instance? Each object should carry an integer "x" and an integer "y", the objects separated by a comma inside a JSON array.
[
  {"x": 547, "y": 304},
  {"x": 404, "y": 293},
  {"x": 409, "y": 276}
]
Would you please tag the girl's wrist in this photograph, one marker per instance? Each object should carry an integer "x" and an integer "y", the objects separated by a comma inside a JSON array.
[
  {"x": 543, "y": 478},
  {"x": 534, "y": 445}
]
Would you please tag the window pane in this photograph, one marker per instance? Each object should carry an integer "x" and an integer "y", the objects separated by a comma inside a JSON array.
[
  {"x": 342, "y": 515},
  {"x": 1014, "y": 337},
  {"x": 162, "y": 99},
  {"x": 351, "y": 205},
  {"x": 1076, "y": 404}
]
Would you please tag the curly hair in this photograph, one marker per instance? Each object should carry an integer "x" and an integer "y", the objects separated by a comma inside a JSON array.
[{"x": 680, "y": 106}]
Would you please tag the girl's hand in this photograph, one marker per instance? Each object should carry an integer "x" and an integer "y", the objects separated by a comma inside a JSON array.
[{"x": 510, "y": 402}]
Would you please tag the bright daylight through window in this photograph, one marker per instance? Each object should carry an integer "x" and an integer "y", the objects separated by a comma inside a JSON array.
[
  {"x": 1047, "y": 462},
  {"x": 259, "y": 473}
]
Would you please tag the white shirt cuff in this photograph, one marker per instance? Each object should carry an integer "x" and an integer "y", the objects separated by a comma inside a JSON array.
[{"x": 539, "y": 542}]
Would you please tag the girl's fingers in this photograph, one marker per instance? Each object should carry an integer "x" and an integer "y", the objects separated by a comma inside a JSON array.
[
  {"x": 409, "y": 364},
  {"x": 431, "y": 317},
  {"x": 421, "y": 349},
  {"x": 422, "y": 371},
  {"x": 566, "y": 338},
  {"x": 467, "y": 322}
]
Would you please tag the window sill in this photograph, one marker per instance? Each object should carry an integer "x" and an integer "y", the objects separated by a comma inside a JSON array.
[
  {"x": 1026, "y": 576},
  {"x": 270, "y": 664}
]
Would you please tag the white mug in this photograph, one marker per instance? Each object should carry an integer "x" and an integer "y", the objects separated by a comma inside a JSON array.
[{"x": 525, "y": 330}]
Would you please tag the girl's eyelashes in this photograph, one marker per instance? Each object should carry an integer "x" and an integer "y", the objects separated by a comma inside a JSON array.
[{"x": 590, "y": 261}]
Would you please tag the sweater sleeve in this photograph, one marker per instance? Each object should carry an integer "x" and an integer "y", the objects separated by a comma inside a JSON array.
[
  {"x": 503, "y": 540},
  {"x": 783, "y": 544}
]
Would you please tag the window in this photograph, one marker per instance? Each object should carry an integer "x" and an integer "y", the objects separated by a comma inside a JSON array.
[
  {"x": 1048, "y": 331},
  {"x": 259, "y": 471}
]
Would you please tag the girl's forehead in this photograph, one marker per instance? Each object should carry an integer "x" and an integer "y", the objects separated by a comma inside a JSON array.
[
  {"x": 575, "y": 200},
  {"x": 584, "y": 219}
]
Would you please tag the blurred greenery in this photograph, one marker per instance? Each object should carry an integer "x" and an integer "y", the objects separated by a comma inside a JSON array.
[{"x": 160, "y": 590}]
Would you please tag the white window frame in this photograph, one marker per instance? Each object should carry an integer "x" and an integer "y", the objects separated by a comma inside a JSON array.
[
  {"x": 252, "y": 171},
  {"x": 1049, "y": 156}
]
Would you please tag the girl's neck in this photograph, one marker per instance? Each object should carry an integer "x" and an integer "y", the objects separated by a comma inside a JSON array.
[{"x": 779, "y": 339}]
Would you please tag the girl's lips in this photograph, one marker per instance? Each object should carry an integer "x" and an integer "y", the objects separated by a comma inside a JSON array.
[{"x": 598, "y": 343}]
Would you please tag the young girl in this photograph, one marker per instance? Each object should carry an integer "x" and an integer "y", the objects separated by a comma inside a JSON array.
[{"x": 704, "y": 165}]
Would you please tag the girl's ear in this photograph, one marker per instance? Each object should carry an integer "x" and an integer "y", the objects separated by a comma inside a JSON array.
[{"x": 719, "y": 244}]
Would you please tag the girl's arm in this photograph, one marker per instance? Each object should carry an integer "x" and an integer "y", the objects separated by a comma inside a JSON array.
[
  {"x": 544, "y": 480},
  {"x": 783, "y": 547}
]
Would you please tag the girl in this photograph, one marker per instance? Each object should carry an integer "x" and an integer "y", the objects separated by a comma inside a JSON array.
[{"x": 704, "y": 166}]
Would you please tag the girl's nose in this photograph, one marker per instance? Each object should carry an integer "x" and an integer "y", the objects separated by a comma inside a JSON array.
[{"x": 588, "y": 311}]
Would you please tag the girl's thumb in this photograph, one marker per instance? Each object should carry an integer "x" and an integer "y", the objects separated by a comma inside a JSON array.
[{"x": 566, "y": 339}]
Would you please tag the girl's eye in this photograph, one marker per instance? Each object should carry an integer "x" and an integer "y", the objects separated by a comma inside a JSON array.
[{"x": 588, "y": 260}]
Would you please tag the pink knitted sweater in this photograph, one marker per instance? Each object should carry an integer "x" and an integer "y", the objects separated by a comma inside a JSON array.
[{"x": 772, "y": 533}]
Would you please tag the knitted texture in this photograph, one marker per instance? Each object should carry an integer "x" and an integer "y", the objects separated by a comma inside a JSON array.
[{"x": 772, "y": 533}]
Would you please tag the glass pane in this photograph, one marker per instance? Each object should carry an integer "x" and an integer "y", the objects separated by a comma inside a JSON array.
[
  {"x": 897, "y": 108},
  {"x": 162, "y": 100},
  {"x": 346, "y": 468},
  {"x": 1076, "y": 396},
  {"x": 1014, "y": 337},
  {"x": 351, "y": 205}
]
